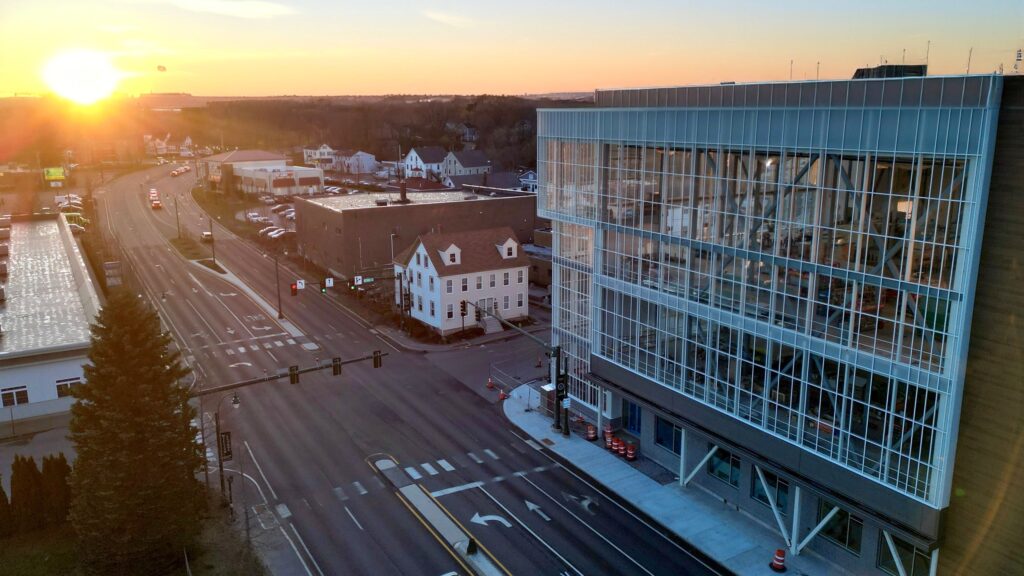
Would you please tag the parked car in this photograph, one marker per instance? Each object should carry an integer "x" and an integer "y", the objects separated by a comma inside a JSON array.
[
  {"x": 252, "y": 216},
  {"x": 281, "y": 208},
  {"x": 156, "y": 205},
  {"x": 206, "y": 237},
  {"x": 276, "y": 234},
  {"x": 269, "y": 229},
  {"x": 268, "y": 200},
  {"x": 290, "y": 216},
  {"x": 76, "y": 228},
  {"x": 70, "y": 208}
]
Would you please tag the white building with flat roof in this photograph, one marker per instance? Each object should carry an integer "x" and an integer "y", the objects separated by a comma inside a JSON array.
[{"x": 50, "y": 300}]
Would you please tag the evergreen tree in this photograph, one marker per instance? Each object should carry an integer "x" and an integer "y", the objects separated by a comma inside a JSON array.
[
  {"x": 6, "y": 521},
  {"x": 56, "y": 493},
  {"x": 136, "y": 499},
  {"x": 26, "y": 495}
]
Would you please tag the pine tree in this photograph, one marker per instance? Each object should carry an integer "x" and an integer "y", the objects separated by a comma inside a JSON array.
[
  {"x": 26, "y": 495},
  {"x": 136, "y": 498},
  {"x": 56, "y": 493},
  {"x": 6, "y": 521}
]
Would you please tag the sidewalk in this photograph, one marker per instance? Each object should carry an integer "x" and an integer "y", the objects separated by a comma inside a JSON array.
[
  {"x": 401, "y": 340},
  {"x": 716, "y": 529}
]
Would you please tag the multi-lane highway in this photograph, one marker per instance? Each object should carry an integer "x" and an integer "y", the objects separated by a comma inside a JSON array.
[{"x": 317, "y": 504}]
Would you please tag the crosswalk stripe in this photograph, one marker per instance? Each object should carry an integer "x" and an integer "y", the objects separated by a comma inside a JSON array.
[
  {"x": 253, "y": 347},
  {"x": 278, "y": 343},
  {"x": 475, "y": 458},
  {"x": 290, "y": 341},
  {"x": 241, "y": 349},
  {"x": 340, "y": 494},
  {"x": 444, "y": 464},
  {"x": 430, "y": 469},
  {"x": 491, "y": 453},
  {"x": 360, "y": 488},
  {"x": 229, "y": 352},
  {"x": 413, "y": 473},
  {"x": 268, "y": 345}
]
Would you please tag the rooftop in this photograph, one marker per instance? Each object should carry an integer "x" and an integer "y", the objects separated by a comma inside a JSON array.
[
  {"x": 430, "y": 154},
  {"x": 244, "y": 156},
  {"x": 479, "y": 248},
  {"x": 472, "y": 158},
  {"x": 359, "y": 201},
  {"x": 44, "y": 308}
]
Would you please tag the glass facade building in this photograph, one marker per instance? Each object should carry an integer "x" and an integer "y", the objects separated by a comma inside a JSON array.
[{"x": 787, "y": 269}]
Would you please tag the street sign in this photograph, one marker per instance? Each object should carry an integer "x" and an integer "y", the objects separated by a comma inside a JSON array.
[
  {"x": 329, "y": 281},
  {"x": 566, "y": 403},
  {"x": 367, "y": 279},
  {"x": 300, "y": 284},
  {"x": 224, "y": 446},
  {"x": 358, "y": 280}
]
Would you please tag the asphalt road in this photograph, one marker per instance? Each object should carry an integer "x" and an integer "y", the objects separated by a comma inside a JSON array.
[{"x": 316, "y": 506}]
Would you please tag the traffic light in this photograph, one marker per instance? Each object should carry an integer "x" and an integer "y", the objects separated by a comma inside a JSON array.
[
  {"x": 293, "y": 374},
  {"x": 336, "y": 366},
  {"x": 323, "y": 286},
  {"x": 295, "y": 289},
  {"x": 479, "y": 313},
  {"x": 462, "y": 308},
  {"x": 377, "y": 359}
]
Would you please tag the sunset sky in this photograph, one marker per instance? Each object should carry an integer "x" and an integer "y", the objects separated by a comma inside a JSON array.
[{"x": 257, "y": 47}]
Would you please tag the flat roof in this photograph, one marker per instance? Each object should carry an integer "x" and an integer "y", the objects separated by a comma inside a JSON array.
[
  {"x": 358, "y": 201},
  {"x": 44, "y": 309}
]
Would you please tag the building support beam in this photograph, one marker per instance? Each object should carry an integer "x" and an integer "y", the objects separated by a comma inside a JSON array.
[
  {"x": 700, "y": 465},
  {"x": 895, "y": 555},
  {"x": 933, "y": 566},
  {"x": 796, "y": 520},
  {"x": 774, "y": 506},
  {"x": 810, "y": 536}
]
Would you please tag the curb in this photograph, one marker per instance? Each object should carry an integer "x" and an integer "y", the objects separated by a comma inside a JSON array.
[{"x": 663, "y": 530}]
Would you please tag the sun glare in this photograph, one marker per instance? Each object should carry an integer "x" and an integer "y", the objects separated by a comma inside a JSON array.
[{"x": 81, "y": 76}]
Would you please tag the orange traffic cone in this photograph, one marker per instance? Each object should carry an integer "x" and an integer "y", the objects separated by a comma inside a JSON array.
[
  {"x": 779, "y": 562},
  {"x": 502, "y": 395},
  {"x": 490, "y": 383}
]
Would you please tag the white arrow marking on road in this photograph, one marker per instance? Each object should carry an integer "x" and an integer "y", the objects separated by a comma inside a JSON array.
[
  {"x": 237, "y": 364},
  {"x": 483, "y": 520},
  {"x": 195, "y": 290},
  {"x": 584, "y": 502},
  {"x": 535, "y": 508},
  {"x": 228, "y": 294},
  {"x": 262, "y": 328},
  {"x": 230, "y": 330}
]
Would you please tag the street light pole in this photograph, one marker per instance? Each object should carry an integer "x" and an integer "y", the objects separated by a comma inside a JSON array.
[
  {"x": 277, "y": 281},
  {"x": 220, "y": 455},
  {"x": 177, "y": 220},
  {"x": 213, "y": 242}
]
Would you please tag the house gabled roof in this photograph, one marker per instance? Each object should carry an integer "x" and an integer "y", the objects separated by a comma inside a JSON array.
[
  {"x": 244, "y": 156},
  {"x": 508, "y": 180},
  {"x": 479, "y": 251},
  {"x": 430, "y": 154},
  {"x": 472, "y": 158}
]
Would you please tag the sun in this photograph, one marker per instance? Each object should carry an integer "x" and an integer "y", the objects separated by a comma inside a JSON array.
[{"x": 82, "y": 76}]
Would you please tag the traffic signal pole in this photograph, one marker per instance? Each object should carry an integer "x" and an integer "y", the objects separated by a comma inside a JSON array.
[
  {"x": 561, "y": 417},
  {"x": 293, "y": 373}
]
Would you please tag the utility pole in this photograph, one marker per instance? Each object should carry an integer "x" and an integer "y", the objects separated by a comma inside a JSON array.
[
  {"x": 177, "y": 221},
  {"x": 213, "y": 242},
  {"x": 277, "y": 282}
]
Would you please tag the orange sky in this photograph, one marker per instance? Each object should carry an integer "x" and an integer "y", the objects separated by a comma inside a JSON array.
[{"x": 262, "y": 47}]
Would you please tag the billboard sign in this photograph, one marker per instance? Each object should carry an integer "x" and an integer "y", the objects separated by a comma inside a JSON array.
[{"x": 53, "y": 174}]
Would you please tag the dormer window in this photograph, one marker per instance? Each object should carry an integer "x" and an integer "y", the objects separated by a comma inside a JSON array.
[
  {"x": 508, "y": 251},
  {"x": 451, "y": 257}
]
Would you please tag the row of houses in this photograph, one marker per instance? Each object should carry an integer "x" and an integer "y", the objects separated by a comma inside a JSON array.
[{"x": 345, "y": 160}]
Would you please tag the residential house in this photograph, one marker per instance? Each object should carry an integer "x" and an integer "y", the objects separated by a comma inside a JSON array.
[
  {"x": 425, "y": 162},
  {"x": 322, "y": 157},
  {"x": 528, "y": 181},
  {"x": 466, "y": 162},
  {"x": 486, "y": 268},
  {"x": 356, "y": 162}
]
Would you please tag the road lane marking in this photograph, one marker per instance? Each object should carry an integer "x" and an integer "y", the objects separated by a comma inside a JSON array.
[
  {"x": 433, "y": 531},
  {"x": 534, "y": 445},
  {"x": 268, "y": 345},
  {"x": 260, "y": 469},
  {"x": 475, "y": 458},
  {"x": 278, "y": 343},
  {"x": 301, "y": 559},
  {"x": 241, "y": 349},
  {"x": 413, "y": 473},
  {"x": 353, "y": 517},
  {"x": 228, "y": 351},
  {"x": 201, "y": 317},
  {"x": 555, "y": 465},
  {"x": 253, "y": 347},
  {"x": 531, "y": 532},
  {"x": 430, "y": 469},
  {"x": 491, "y": 453},
  {"x": 455, "y": 489},
  {"x": 359, "y": 487},
  {"x": 308, "y": 553},
  {"x": 340, "y": 494},
  {"x": 290, "y": 341},
  {"x": 588, "y": 526},
  {"x": 444, "y": 464},
  {"x": 283, "y": 511}
]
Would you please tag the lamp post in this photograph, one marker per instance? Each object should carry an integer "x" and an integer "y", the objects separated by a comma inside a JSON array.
[
  {"x": 213, "y": 242},
  {"x": 216, "y": 423},
  {"x": 277, "y": 283}
]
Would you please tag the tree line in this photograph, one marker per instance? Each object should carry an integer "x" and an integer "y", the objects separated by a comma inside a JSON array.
[{"x": 39, "y": 498}]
